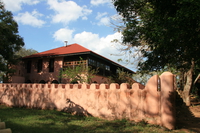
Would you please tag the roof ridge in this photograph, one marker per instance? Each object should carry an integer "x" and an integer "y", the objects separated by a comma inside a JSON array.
[
  {"x": 80, "y": 45},
  {"x": 69, "y": 49}
]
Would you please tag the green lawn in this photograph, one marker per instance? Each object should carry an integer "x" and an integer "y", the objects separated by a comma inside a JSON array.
[{"x": 22, "y": 120}]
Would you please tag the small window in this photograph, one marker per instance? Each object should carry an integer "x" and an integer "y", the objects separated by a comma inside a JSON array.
[
  {"x": 107, "y": 68},
  {"x": 28, "y": 66},
  {"x": 39, "y": 66},
  {"x": 102, "y": 65},
  {"x": 51, "y": 65},
  {"x": 92, "y": 62},
  {"x": 98, "y": 64},
  {"x": 159, "y": 85}
]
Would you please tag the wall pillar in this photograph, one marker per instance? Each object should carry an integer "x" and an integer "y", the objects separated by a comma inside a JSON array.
[{"x": 167, "y": 100}]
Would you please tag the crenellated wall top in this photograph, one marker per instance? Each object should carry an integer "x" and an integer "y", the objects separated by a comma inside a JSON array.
[
  {"x": 153, "y": 81},
  {"x": 112, "y": 86}
]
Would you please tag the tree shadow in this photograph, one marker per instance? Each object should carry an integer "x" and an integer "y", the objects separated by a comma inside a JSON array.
[
  {"x": 3, "y": 93},
  {"x": 185, "y": 119},
  {"x": 75, "y": 109},
  {"x": 51, "y": 121}
]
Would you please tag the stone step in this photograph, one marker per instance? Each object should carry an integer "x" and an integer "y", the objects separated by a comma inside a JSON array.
[
  {"x": 2, "y": 125},
  {"x": 3, "y": 128},
  {"x": 8, "y": 130}
]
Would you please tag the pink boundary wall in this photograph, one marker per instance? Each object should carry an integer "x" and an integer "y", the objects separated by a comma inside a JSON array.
[{"x": 154, "y": 103}]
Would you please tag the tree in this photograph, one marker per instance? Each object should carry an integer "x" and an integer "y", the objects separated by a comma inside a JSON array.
[
  {"x": 10, "y": 41},
  {"x": 170, "y": 30},
  {"x": 122, "y": 77},
  {"x": 25, "y": 52},
  {"x": 143, "y": 77},
  {"x": 78, "y": 73}
]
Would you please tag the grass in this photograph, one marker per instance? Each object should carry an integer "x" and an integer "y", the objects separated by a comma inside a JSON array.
[{"x": 22, "y": 120}]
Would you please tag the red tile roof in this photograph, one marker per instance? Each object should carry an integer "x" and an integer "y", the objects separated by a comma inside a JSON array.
[{"x": 69, "y": 49}]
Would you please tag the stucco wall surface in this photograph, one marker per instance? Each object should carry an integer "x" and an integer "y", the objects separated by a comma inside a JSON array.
[{"x": 153, "y": 103}]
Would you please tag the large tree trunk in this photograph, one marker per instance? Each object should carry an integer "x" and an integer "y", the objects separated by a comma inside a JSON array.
[{"x": 188, "y": 85}]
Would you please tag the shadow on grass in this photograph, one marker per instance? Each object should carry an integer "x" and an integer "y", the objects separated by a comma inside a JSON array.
[
  {"x": 185, "y": 118},
  {"x": 72, "y": 128},
  {"x": 22, "y": 120}
]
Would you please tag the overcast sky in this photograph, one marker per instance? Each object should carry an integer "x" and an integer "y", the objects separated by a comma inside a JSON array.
[{"x": 46, "y": 24}]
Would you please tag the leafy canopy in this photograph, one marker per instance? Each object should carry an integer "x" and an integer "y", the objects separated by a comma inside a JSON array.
[
  {"x": 10, "y": 40},
  {"x": 25, "y": 52},
  {"x": 122, "y": 77},
  {"x": 169, "y": 28}
]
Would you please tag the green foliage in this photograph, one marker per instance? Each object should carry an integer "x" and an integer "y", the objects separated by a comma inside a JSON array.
[
  {"x": 79, "y": 73},
  {"x": 25, "y": 52},
  {"x": 170, "y": 30},
  {"x": 10, "y": 41},
  {"x": 122, "y": 77},
  {"x": 142, "y": 78}
]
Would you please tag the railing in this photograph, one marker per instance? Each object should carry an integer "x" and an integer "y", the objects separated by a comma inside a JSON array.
[{"x": 74, "y": 63}]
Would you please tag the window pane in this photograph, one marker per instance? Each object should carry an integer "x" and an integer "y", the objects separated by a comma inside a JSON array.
[
  {"x": 51, "y": 65},
  {"x": 39, "y": 66},
  {"x": 29, "y": 66}
]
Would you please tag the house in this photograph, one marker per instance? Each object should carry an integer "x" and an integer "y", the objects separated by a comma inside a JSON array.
[{"x": 45, "y": 67}]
